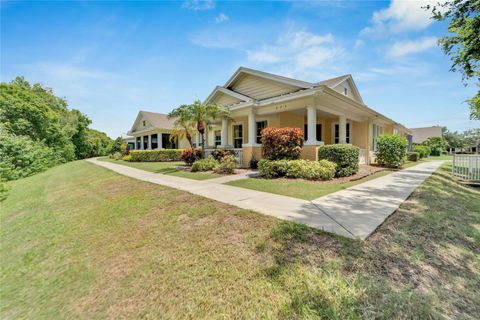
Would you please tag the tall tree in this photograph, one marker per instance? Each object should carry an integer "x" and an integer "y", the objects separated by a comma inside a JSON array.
[
  {"x": 463, "y": 43},
  {"x": 184, "y": 123}
]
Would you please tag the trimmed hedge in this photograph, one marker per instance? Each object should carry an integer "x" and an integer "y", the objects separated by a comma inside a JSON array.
[
  {"x": 413, "y": 156},
  {"x": 304, "y": 169},
  {"x": 282, "y": 143},
  {"x": 227, "y": 165},
  {"x": 391, "y": 150},
  {"x": 163, "y": 155},
  {"x": 345, "y": 156},
  {"x": 424, "y": 151}
]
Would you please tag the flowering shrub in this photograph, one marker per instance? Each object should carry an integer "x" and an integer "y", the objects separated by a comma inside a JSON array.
[
  {"x": 162, "y": 155},
  {"x": 206, "y": 164},
  {"x": 391, "y": 150},
  {"x": 304, "y": 169},
  {"x": 189, "y": 156},
  {"x": 344, "y": 155},
  {"x": 227, "y": 165},
  {"x": 219, "y": 154},
  {"x": 282, "y": 143}
]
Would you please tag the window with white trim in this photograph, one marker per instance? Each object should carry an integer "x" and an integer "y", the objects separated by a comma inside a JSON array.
[
  {"x": 345, "y": 91},
  {"x": 260, "y": 126},
  {"x": 237, "y": 136},
  {"x": 218, "y": 137}
]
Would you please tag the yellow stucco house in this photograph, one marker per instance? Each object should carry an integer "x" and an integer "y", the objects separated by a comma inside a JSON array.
[{"x": 329, "y": 111}]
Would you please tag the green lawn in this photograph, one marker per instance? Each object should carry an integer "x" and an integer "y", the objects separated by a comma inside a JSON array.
[
  {"x": 433, "y": 158},
  {"x": 80, "y": 241},
  {"x": 165, "y": 168}
]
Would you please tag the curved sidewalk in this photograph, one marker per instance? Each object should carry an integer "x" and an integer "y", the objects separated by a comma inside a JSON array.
[{"x": 354, "y": 212}]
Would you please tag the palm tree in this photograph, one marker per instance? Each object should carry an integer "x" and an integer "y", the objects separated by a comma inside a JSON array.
[
  {"x": 202, "y": 113},
  {"x": 184, "y": 123}
]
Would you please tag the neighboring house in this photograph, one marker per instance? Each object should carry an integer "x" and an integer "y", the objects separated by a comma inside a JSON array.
[
  {"x": 329, "y": 111},
  {"x": 152, "y": 131},
  {"x": 129, "y": 140},
  {"x": 419, "y": 135}
]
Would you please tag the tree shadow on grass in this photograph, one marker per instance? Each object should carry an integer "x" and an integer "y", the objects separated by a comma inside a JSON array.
[{"x": 422, "y": 262}]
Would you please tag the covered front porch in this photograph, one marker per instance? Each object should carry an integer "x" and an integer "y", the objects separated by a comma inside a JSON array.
[{"x": 323, "y": 121}]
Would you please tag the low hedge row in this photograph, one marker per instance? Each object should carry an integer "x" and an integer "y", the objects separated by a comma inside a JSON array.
[
  {"x": 345, "y": 156},
  {"x": 162, "y": 155},
  {"x": 423, "y": 151},
  {"x": 304, "y": 169},
  {"x": 413, "y": 156}
]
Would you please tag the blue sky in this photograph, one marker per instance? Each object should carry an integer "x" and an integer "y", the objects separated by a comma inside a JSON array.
[{"x": 112, "y": 59}]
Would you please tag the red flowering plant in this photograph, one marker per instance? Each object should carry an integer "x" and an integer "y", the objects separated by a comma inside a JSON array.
[{"x": 282, "y": 143}]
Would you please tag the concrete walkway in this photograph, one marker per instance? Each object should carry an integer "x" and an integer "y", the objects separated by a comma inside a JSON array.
[{"x": 355, "y": 212}]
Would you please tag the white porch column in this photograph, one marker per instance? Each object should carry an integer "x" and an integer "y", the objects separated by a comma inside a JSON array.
[
  {"x": 342, "y": 126},
  {"x": 142, "y": 144},
  {"x": 312, "y": 126},
  {"x": 252, "y": 129},
  {"x": 160, "y": 146},
  {"x": 224, "y": 136},
  {"x": 149, "y": 142}
]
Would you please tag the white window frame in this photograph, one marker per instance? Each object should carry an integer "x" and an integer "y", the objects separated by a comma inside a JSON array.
[
  {"x": 256, "y": 130},
  {"x": 233, "y": 134},
  {"x": 349, "y": 132},
  {"x": 217, "y": 140}
]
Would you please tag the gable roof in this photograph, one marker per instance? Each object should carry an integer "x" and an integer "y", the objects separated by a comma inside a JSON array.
[
  {"x": 269, "y": 76},
  {"x": 236, "y": 95},
  {"x": 334, "y": 82},
  {"x": 156, "y": 120}
]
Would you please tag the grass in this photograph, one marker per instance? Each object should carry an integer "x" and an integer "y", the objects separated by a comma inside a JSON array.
[
  {"x": 433, "y": 158},
  {"x": 165, "y": 168},
  {"x": 89, "y": 243},
  {"x": 303, "y": 189}
]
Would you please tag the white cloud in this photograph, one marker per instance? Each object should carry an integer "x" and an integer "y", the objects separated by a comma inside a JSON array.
[
  {"x": 197, "y": 5},
  {"x": 222, "y": 17},
  {"x": 359, "y": 43},
  {"x": 400, "y": 16},
  {"x": 402, "y": 48}
]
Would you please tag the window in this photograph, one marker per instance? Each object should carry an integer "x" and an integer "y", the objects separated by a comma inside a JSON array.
[
  {"x": 237, "y": 136},
  {"x": 145, "y": 142},
  {"x": 345, "y": 91},
  {"x": 167, "y": 143},
  {"x": 154, "y": 138},
  {"x": 143, "y": 123},
  {"x": 218, "y": 137},
  {"x": 139, "y": 143},
  {"x": 377, "y": 131},
  {"x": 337, "y": 133},
  {"x": 318, "y": 132},
  {"x": 395, "y": 131},
  {"x": 260, "y": 126},
  {"x": 131, "y": 145}
]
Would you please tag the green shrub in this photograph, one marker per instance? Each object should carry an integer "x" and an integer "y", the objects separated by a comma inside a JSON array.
[
  {"x": 189, "y": 156},
  {"x": 436, "y": 144},
  {"x": 391, "y": 150},
  {"x": 424, "y": 151},
  {"x": 219, "y": 154},
  {"x": 127, "y": 158},
  {"x": 282, "y": 143},
  {"x": 413, "y": 156},
  {"x": 21, "y": 157},
  {"x": 227, "y": 165},
  {"x": 303, "y": 169},
  {"x": 116, "y": 156},
  {"x": 345, "y": 156},
  {"x": 206, "y": 164},
  {"x": 162, "y": 155},
  {"x": 253, "y": 164}
]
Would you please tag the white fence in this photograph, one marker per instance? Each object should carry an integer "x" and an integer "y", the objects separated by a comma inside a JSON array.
[
  {"x": 238, "y": 154},
  {"x": 466, "y": 167},
  {"x": 362, "y": 156}
]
